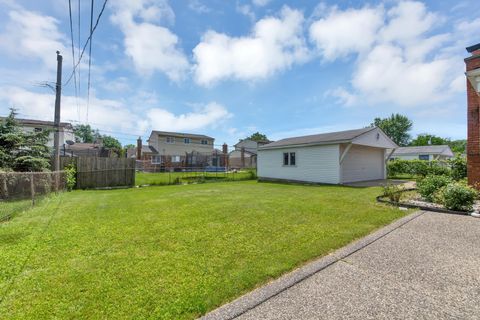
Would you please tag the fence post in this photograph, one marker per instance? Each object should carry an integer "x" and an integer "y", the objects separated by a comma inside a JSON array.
[
  {"x": 4, "y": 184},
  {"x": 32, "y": 188}
]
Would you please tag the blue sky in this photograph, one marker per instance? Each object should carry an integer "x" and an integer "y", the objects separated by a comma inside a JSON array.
[{"x": 230, "y": 68}]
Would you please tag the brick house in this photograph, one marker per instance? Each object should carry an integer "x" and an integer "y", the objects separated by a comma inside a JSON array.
[{"x": 473, "y": 118}]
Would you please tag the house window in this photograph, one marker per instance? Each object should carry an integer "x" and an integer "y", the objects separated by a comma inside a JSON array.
[
  {"x": 424, "y": 157},
  {"x": 170, "y": 140},
  {"x": 186, "y": 140},
  {"x": 175, "y": 158},
  {"x": 156, "y": 159},
  {"x": 204, "y": 141},
  {"x": 38, "y": 129},
  {"x": 289, "y": 159}
]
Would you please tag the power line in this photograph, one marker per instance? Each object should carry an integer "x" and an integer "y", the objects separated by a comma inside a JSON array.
[
  {"x": 86, "y": 43},
  {"x": 79, "y": 41},
  {"x": 90, "y": 56},
  {"x": 73, "y": 50}
]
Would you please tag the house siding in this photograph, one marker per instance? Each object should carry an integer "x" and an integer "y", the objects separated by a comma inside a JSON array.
[
  {"x": 318, "y": 164},
  {"x": 179, "y": 148}
]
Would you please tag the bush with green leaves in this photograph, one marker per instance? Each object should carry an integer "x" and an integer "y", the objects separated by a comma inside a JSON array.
[
  {"x": 71, "y": 176},
  {"x": 420, "y": 168},
  {"x": 393, "y": 192},
  {"x": 458, "y": 167},
  {"x": 458, "y": 197},
  {"x": 428, "y": 186}
]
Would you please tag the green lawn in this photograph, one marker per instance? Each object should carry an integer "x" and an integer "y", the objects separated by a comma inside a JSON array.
[
  {"x": 171, "y": 252},
  {"x": 8, "y": 209},
  {"x": 167, "y": 178}
]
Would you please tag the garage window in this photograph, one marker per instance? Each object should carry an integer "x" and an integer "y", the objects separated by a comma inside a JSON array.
[
  {"x": 424, "y": 157},
  {"x": 289, "y": 159}
]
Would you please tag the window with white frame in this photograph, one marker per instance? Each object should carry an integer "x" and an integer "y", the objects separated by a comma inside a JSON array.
[
  {"x": 204, "y": 141},
  {"x": 175, "y": 158},
  {"x": 170, "y": 140},
  {"x": 156, "y": 159},
  {"x": 289, "y": 159},
  {"x": 186, "y": 140}
]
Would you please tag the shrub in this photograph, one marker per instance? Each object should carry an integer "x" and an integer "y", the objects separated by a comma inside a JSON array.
[
  {"x": 393, "y": 192},
  {"x": 456, "y": 196},
  {"x": 459, "y": 167},
  {"x": 417, "y": 168},
  {"x": 71, "y": 176},
  {"x": 429, "y": 185}
]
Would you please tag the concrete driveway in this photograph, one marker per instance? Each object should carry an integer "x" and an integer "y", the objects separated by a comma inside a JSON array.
[{"x": 424, "y": 267}]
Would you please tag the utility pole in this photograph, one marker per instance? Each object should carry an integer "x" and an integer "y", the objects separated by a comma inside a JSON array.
[{"x": 56, "y": 123}]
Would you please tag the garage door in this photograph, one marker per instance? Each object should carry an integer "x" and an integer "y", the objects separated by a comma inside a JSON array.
[{"x": 363, "y": 164}]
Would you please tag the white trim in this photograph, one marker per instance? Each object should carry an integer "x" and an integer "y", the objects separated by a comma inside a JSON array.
[{"x": 342, "y": 157}]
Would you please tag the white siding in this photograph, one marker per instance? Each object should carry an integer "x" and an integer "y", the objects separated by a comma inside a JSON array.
[
  {"x": 313, "y": 164},
  {"x": 362, "y": 164},
  {"x": 375, "y": 138}
]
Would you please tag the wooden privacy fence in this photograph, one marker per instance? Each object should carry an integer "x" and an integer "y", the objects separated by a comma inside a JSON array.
[{"x": 95, "y": 172}]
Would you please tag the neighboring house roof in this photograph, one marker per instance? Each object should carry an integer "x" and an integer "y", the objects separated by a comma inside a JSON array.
[
  {"x": 132, "y": 152},
  {"x": 31, "y": 122},
  {"x": 181, "y": 135},
  {"x": 432, "y": 149},
  {"x": 323, "y": 138},
  {"x": 250, "y": 153},
  {"x": 473, "y": 48},
  {"x": 260, "y": 142}
]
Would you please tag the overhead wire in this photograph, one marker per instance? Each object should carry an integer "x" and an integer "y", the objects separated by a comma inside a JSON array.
[
  {"x": 90, "y": 56},
  {"x": 86, "y": 43},
  {"x": 79, "y": 42},
  {"x": 73, "y": 51}
]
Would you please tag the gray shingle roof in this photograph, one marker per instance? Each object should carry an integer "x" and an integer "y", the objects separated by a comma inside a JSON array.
[
  {"x": 323, "y": 138},
  {"x": 433, "y": 149}
]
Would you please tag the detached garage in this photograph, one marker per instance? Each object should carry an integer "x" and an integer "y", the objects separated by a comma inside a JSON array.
[{"x": 334, "y": 158}]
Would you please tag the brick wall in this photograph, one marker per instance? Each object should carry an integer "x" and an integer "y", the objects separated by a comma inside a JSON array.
[{"x": 473, "y": 118}]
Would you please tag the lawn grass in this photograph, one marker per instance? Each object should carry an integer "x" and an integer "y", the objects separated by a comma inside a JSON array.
[
  {"x": 8, "y": 209},
  {"x": 171, "y": 252},
  {"x": 169, "y": 178}
]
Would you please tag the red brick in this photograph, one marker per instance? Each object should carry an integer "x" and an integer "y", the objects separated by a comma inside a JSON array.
[{"x": 473, "y": 125}]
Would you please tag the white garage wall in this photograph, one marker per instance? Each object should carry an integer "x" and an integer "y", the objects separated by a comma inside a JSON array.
[
  {"x": 362, "y": 164},
  {"x": 313, "y": 164}
]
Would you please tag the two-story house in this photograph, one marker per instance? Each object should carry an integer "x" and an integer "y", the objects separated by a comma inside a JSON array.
[
  {"x": 65, "y": 129},
  {"x": 175, "y": 149}
]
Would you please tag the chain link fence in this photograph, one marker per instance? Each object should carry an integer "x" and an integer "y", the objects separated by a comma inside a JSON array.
[
  {"x": 20, "y": 190},
  {"x": 188, "y": 175}
]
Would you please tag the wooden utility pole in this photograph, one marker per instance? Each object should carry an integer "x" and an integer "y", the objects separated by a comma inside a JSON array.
[{"x": 56, "y": 122}]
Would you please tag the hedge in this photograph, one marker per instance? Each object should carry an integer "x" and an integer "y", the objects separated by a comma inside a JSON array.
[{"x": 420, "y": 168}]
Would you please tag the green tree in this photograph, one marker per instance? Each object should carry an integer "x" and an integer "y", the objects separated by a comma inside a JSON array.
[
  {"x": 84, "y": 133},
  {"x": 429, "y": 139},
  {"x": 458, "y": 146},
  {"x": 113, "y": 144},
  {"x": 23, "y": 151},
  {"x": 257, "y": 136},
  {"x": 396, "y": 126}
]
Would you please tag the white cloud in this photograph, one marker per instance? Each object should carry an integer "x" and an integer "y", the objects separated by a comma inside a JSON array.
[
  {"x": 261, "y": 3},
  {"x": 208, "y": 116},
  {"x": 276, "y": 43},
  {"x": 112, "y": 115},
  {"x": 343, "y": 32},
  {"x": 400, "y": 58},
  {"x": 198, "y": 6},
  {"x": 151, "y": 47},
  {"x": 344, "y": 96},
  {"x": 32, "y": 35}
]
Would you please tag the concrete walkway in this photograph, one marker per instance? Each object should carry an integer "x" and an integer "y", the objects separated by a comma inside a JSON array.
[{"x": 424, "y": 267}]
